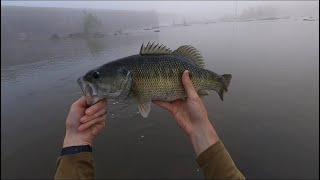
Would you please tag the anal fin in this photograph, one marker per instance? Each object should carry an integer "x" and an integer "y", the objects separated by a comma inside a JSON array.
[{"x": 145, "y": 108}]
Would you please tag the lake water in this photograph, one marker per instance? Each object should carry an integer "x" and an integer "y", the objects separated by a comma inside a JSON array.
[{"x": 269, "y": 120}]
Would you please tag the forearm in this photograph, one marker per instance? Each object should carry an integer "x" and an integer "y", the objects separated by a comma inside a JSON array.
[
  {"x": 75, "y": 166},
  {"x": 72, "y": 139},
  {"x": 76, "y": 161},
  {"x": 213, "y": 157},
  {"x": 216, "y": 163},
  {"x": 203, "y": 137}
]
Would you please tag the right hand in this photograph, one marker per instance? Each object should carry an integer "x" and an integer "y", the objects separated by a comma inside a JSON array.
[
  {"x": 83, "y": 124},
  {"x": 191, "y": 115}
]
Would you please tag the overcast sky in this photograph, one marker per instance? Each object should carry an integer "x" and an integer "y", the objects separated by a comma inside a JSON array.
[{"x": 215, "y": 8}]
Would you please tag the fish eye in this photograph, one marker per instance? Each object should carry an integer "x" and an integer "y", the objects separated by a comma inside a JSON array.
[{"x": 95, "y": 74}]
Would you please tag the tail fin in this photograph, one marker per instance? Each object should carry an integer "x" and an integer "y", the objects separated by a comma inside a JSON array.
[{"x": 226, "y": 82}]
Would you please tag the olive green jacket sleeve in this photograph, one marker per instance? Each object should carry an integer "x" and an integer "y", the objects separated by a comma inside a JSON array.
[
  {"x": 216, "y": 163},
  {"x": 75, "y": 166}
]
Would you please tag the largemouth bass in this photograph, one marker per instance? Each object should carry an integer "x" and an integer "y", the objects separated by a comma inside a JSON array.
[{"x": 153, "y": 74}]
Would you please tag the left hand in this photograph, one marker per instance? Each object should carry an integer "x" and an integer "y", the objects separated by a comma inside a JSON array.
[{"x": 84, "y": 124}]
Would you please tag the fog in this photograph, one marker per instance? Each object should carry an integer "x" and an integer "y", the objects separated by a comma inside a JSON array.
[
  {"x": 189, "y": 9},
  {"x": 268, "y": 121}
]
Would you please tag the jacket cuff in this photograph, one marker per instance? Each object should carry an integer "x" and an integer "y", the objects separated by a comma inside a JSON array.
[
  {"x": 209, "y": 152},
  {"x": 75, "y": 149}
]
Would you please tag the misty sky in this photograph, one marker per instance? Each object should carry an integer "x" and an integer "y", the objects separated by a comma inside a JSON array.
[{"x": 211, "y": 8}]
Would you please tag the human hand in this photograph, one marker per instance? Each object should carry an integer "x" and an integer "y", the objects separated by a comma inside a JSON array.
[
  {"x": 191, "y": 116},
  {"x": 84, "y": 124}
]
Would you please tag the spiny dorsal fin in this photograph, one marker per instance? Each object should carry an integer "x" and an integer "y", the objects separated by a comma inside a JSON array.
[
  {"x": 191, "y": 53},
  {"x": 154, "y": 49}
]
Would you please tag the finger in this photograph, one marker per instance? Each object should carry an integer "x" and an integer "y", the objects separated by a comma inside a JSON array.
[
  {"x": 97, "y": 128},
  {"x": 163, "y": 104},
  {"x": 81, "y": 102},
  {"x": 96, "y": 107},
  {"x": 92, "y": 122},
  {"x": 87, "y": 118},
  {"x": 187, "y": 83}
]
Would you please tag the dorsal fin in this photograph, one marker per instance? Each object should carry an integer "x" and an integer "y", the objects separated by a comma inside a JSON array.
[
  {"x": 191, "y": 53},
  {"x": 154, "y": 49}
]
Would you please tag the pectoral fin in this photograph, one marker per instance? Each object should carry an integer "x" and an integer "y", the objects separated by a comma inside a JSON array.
[{"x": 144, "y": 109}]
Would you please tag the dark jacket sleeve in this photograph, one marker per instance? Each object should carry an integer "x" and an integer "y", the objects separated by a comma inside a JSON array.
[
  {"x": 216, "y": 163},
  {"x": 75, "y": 166}
]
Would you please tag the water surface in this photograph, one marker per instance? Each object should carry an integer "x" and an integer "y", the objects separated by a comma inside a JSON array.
[{"x": 269, "y": 120}]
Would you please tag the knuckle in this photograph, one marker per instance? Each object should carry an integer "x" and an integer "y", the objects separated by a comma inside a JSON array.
[{"x": 73, "y": 106}]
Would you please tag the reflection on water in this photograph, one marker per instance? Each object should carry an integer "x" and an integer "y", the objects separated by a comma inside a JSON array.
[{"x": 268, "y": 121}]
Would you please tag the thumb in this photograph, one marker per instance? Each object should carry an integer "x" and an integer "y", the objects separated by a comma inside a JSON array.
[{"x": 187, "y": 83}]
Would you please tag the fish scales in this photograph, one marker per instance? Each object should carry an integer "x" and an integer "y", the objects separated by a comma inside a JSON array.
[{"x": 156, "y": 77}]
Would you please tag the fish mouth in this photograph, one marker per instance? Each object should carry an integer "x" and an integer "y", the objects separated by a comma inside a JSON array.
[{"x": 89, "y": 91}]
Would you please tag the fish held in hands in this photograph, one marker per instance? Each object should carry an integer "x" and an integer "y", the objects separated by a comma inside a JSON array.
[{"x": 153, "y": 74}]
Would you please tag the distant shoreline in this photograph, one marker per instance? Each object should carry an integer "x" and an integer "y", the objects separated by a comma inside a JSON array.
[{"x": 94, "y": 9}]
